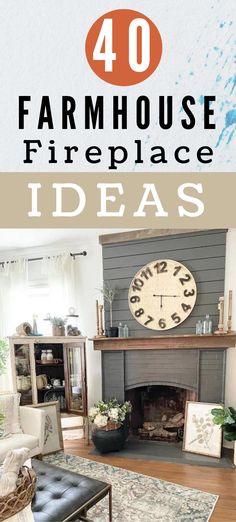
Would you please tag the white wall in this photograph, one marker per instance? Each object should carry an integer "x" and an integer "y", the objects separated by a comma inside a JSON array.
[{"x": 89, "y": 279}]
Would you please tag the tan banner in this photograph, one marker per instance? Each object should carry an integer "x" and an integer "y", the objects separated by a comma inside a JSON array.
[{"x": 129, "y": 200}]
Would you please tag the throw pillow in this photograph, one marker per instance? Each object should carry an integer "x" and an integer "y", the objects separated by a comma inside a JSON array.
[
  {"x": 14, "y": 460},
  {"x": 6, "y": 409},
  {"x": 14, "y": 413},
  {"x": 15, "y": 423}
]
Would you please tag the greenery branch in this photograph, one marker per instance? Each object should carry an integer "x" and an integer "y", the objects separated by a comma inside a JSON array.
[
  {"x": 226, "y": 418},
  {"x": 3, "y": 355},
  {"x": 109, "y": 293},
  {"x": 102, "y": 413},
  {"x": 58, "y": 321}
]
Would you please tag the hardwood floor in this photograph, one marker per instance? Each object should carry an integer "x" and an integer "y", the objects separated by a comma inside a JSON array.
[{"x": 219, "y": 481}]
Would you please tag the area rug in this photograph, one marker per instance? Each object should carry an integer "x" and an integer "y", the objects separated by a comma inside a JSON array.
[{"x": 139, "y": 498}]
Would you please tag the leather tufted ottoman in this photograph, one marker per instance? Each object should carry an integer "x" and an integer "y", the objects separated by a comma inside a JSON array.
[{"x": 63, "y": 495}]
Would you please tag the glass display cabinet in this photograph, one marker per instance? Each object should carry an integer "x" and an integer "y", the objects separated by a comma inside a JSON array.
[
  {"x": 74, "y": 378},
  {"x": 24, "y": 370},
  {"x": 46, "y": 369}
]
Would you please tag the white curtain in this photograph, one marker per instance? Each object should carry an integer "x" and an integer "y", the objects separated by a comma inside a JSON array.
[
  {"x": 15, "y": 303},
  {"x": 60, "y": 272},
  {"x": 13, "y": 288}
]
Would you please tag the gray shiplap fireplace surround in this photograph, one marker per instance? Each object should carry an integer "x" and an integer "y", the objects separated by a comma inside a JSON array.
[
  {"x": 201, "y": 371},
  {"x": 197, "y": 369}
]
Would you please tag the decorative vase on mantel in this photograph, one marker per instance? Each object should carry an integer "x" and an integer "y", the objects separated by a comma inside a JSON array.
[
  {"x": 112, "y": 331},
  {"x": 109, "y": 293}
]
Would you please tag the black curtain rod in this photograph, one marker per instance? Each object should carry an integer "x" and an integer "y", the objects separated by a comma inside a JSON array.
[{"x": 84, "y": 253}]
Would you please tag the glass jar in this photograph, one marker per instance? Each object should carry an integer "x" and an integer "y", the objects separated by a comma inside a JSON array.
[
  {"x": 43, "y": 356},
  {"x": 49, "y": 355},
  {"x": 120, "y": 330},
  {"x": 199, "y": 327},
  {"x": 207, "y": 325},
  {"x": 126, "y": 331}
]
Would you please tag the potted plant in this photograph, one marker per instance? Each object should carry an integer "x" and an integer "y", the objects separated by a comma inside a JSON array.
[
  {"x": 109, "y": 293},
  {"x": 58, "y": 325},
  {"x": 110, "y": 425},
  {"x": 226, "y": 418},
  {"x": 3, "y": 364}
]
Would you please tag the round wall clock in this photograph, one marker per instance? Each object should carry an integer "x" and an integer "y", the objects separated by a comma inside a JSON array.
[{"x": 162, "y": 294}]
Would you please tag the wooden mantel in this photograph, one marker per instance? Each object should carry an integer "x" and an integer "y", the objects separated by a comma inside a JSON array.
[{"x": 171, "y": 342}]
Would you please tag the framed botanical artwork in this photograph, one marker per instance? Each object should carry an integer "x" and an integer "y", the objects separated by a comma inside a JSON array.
[
  {"x": 53, "y": 440},
  {"x": 201, "y": 435}
]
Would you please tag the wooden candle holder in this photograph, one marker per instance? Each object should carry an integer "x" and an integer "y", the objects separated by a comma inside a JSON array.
[
  {"x": 99, "y": 319},
  {"x": 221, "y": 316}
]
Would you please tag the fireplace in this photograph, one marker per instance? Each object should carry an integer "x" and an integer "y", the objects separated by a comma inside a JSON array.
[
  {"x": 159, "y": 411},
  {"x": 154, "y": 369}
]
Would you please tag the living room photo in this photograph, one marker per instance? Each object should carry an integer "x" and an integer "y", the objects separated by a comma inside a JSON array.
[{"x": 118, "y": 364}]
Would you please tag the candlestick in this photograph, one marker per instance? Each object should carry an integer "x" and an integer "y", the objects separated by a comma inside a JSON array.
[
  {"x": 97, "y": 317},
  {"x": 221, "y": 316},
  {"x": 229, "y": 322},
  {"x": 101, "y": 330}
]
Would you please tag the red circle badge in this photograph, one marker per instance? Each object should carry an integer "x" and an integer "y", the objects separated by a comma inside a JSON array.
[{"x": 123, "y": 47}]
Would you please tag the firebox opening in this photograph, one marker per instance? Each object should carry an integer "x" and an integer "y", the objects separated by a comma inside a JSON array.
[{"x": 158, "y": 412}]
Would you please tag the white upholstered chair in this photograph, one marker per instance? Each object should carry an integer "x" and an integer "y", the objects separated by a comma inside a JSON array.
[{"x": 32, "y": 422}]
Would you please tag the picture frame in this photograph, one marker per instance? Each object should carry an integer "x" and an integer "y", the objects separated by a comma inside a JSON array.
[
  {"x": 53, "y": 440},
  {"x": 201, "y": 435}
]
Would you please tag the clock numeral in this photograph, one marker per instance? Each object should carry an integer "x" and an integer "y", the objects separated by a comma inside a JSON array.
[
  {"x": 146, "y": 273},
  {"x": 186, "y": 307},
  {"x": 162, "y": 323},
  {"x": 138, "y": 283},
  {"x": 149, "y": 320},
  {"x": 176, "y": 318},
  {"x": 189, "y": 293},
  {"x": 134, "y": 288},
  {"x": 135, "y": 299},
  {"x": 139, "y": 312},
  {"x": 184, "y": 279},
  {"x": 177, "y": 269},
  {"x": 161, "y": 267}
]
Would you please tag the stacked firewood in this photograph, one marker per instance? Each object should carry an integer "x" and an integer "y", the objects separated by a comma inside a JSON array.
[{"x": 164, "y": 429}]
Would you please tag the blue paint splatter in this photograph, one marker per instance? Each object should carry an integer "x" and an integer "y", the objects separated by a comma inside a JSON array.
[
  {"x": 224, "y": 104},
  {"x": 230, "y": 119},
  {"x": 201, "y": 100},
  {"x": 232, "y": 80},
  {"x": 230, "y": 136}
]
